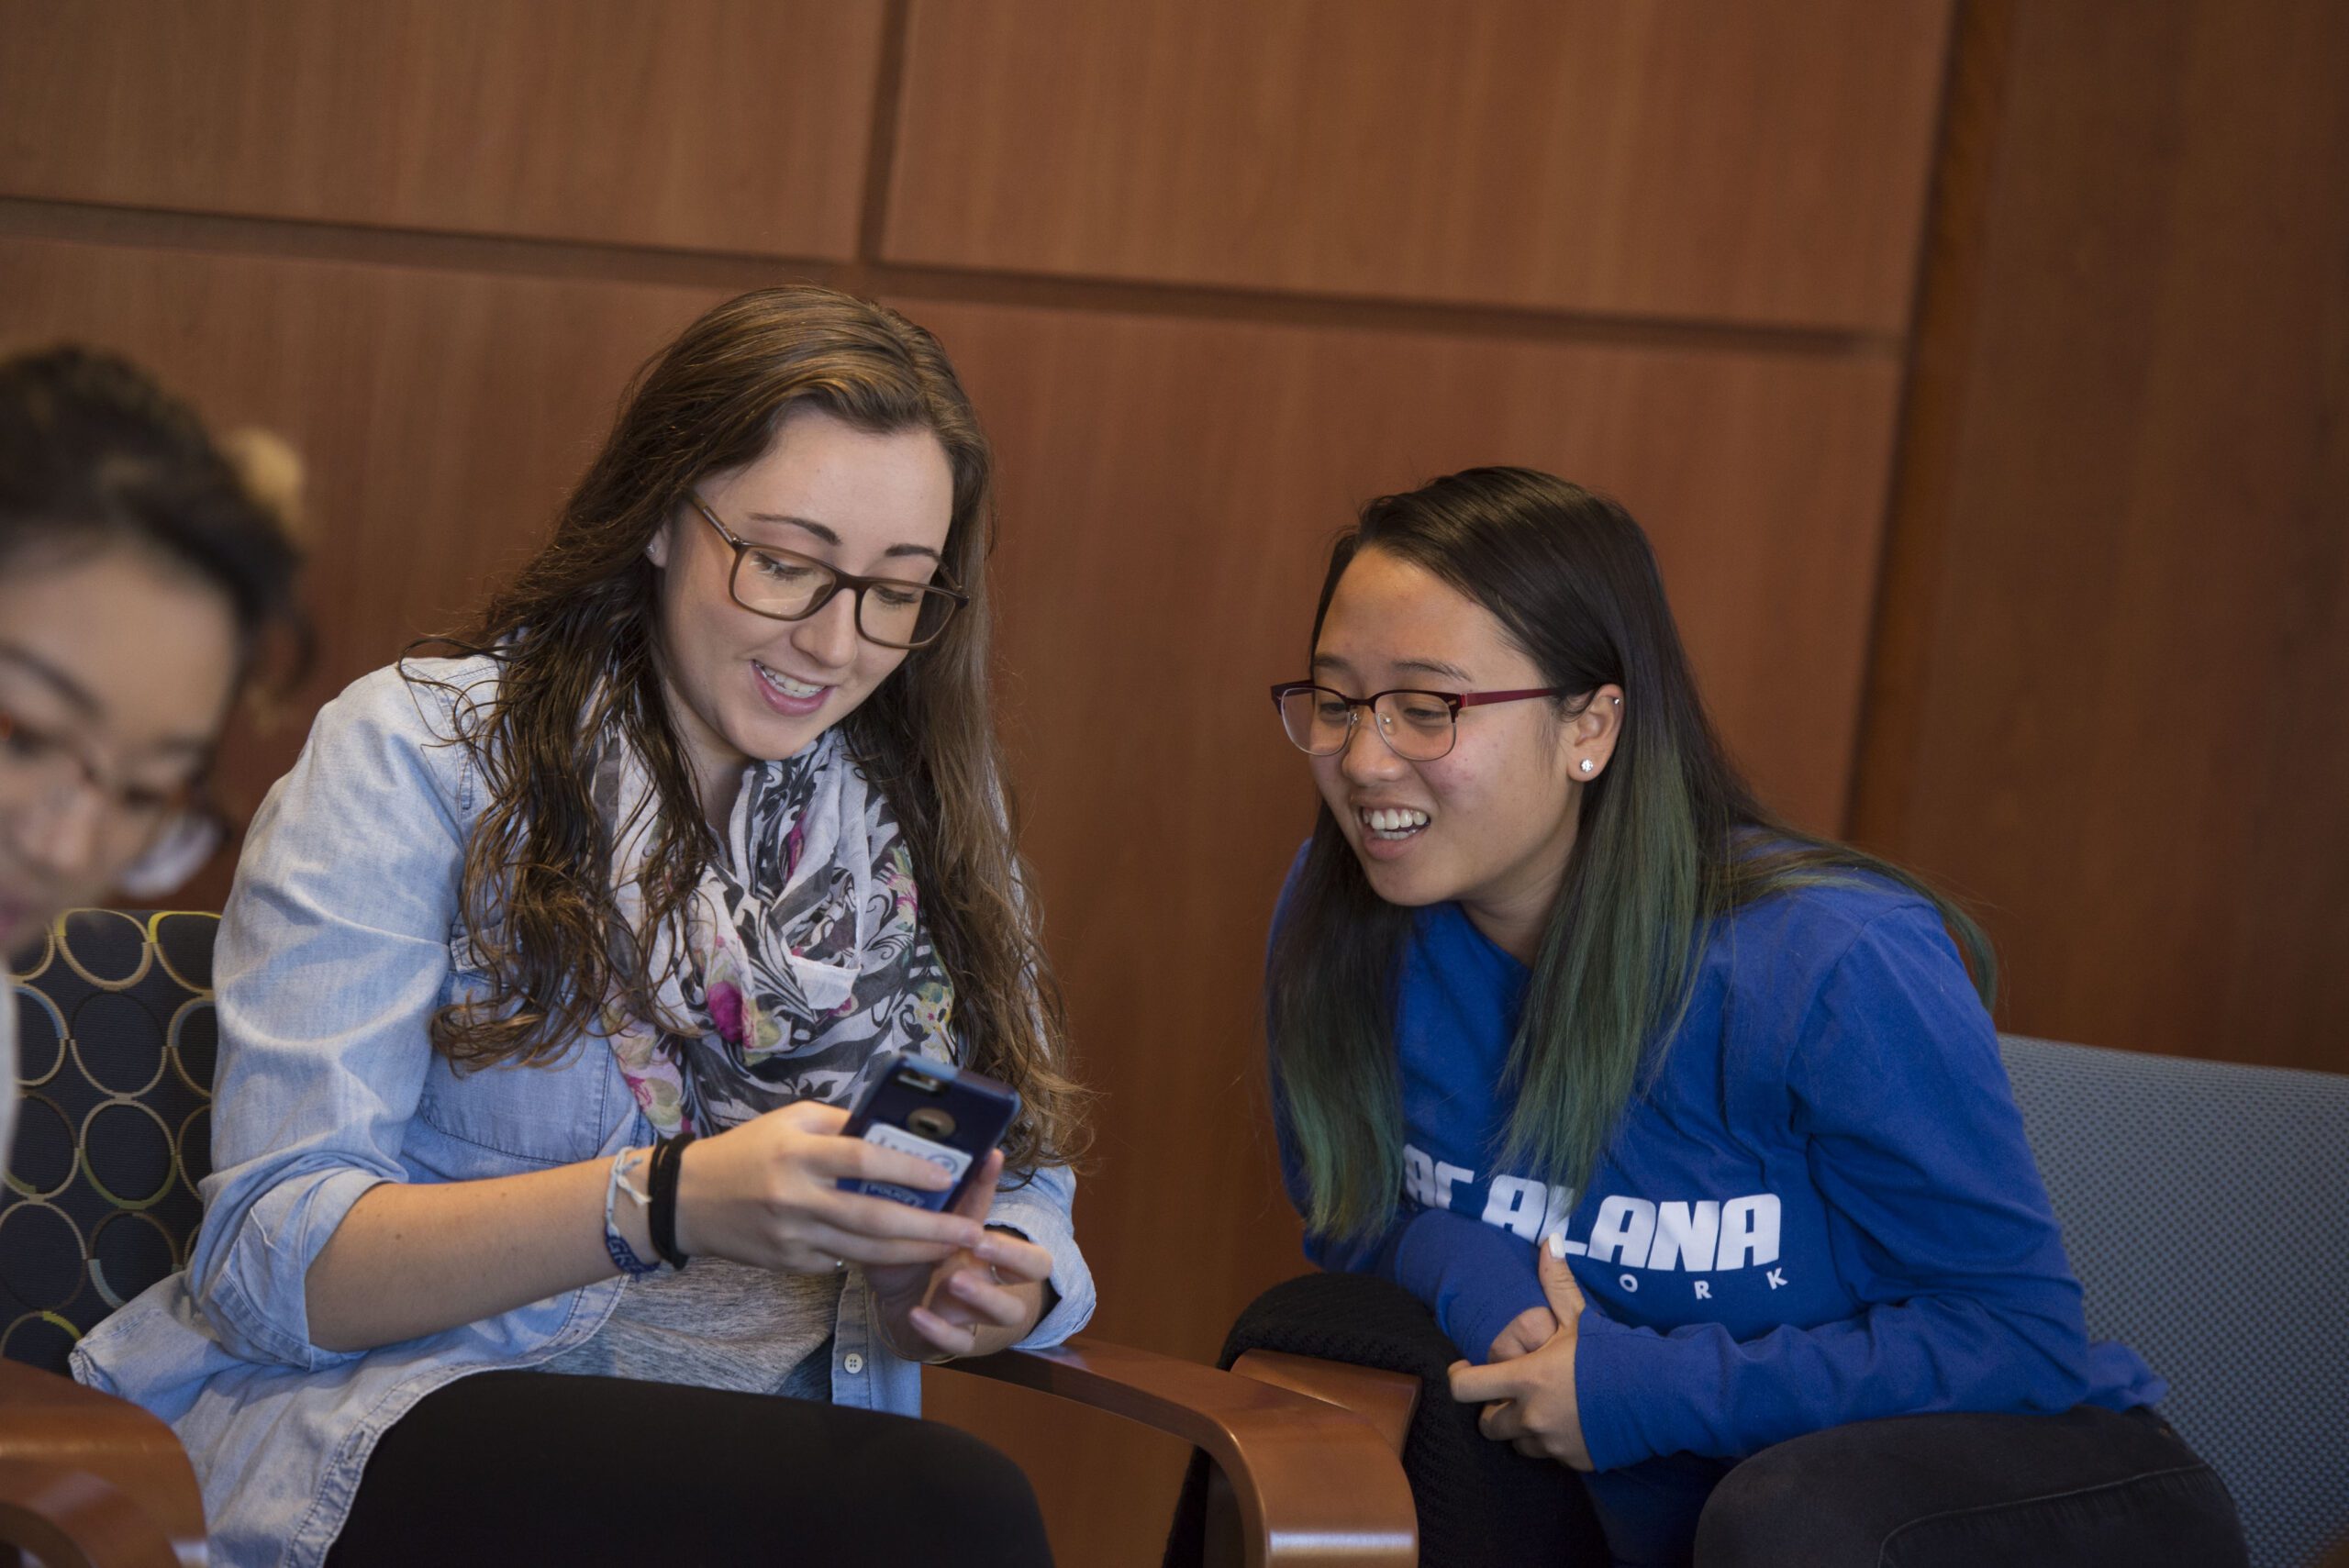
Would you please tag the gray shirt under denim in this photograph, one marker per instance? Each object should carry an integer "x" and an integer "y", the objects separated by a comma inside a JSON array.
[
  {"x": 335, "y": 950},
  {"x": 717, "y": 1324}
]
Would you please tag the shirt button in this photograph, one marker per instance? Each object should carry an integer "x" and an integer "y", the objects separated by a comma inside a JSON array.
[{"x": 852, "y": 1363}]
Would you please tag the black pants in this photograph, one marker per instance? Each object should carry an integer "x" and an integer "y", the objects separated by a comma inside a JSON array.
[
  {"x": 516, "y": 1467},
  {"x": 2086, "y": 1489}
]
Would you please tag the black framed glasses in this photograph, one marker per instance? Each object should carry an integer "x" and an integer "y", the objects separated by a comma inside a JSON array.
[
  {"x": 783, "y": 584},
  {"x": 1417, "y": 725}
]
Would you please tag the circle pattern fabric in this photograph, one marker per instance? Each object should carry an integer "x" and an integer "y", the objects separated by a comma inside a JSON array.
[{"x": 115, "y": 1042}]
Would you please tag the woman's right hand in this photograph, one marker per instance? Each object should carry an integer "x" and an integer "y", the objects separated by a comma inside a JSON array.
[{"x": 767, "y": 1193}]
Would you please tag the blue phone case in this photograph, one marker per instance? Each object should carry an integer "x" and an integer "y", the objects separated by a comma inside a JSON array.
[{"x": 947, "y": 1115}]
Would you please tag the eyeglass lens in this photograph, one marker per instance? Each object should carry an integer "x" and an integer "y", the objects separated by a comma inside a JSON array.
[
  {"x": 166, "y": 837},
  {"x": 898, "y": 615},
  {"x": 1416, "y": 726}
]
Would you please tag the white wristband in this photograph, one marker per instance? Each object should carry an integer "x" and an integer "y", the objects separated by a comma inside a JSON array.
[{"x": 624, "y": 1256}]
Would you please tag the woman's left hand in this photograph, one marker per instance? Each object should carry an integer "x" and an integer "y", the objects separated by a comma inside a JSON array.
[
  {"x": 975, "y": 1301},
  {"x": 1530, "y": 1402}
]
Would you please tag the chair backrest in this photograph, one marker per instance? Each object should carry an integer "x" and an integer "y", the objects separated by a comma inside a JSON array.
[
  {"x": 2206, "y": 1209},
  {"x": 117, "y": 1042}
]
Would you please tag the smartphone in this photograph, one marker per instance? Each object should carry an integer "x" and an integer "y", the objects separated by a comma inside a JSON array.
[{"x": 949, "y": 1115}]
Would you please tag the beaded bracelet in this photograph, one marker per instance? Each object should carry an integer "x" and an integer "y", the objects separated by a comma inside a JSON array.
[
  {"x": 668, "y": 1159},
  {"x": 623, "y": 1255}
]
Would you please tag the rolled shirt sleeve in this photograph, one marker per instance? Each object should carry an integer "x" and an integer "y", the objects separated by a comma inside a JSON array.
[
  {"x": 1475, "y": 1278},
  {"x": 1042, "y": 1209},
  {"x": 325, "y": 982}
]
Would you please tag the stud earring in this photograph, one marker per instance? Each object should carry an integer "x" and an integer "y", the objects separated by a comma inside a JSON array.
[
  {"x": 1587, "y": 764},
  {"x": 1616, "y": 701}
]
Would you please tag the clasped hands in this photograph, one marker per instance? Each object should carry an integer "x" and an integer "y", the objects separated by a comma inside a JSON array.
[
  {"x": 1527, "y": 1386},
  {"x": 767, "y": 1193}
]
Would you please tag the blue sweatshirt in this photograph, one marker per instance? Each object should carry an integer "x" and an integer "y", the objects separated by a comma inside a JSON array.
[{"x": 1823, "y": 1210}]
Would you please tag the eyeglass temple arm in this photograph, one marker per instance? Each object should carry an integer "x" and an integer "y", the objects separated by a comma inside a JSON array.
[{"x": 1478, "y": 699}]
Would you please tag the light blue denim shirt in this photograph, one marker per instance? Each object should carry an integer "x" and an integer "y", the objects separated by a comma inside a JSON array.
[{"x": 335, "y": 950}]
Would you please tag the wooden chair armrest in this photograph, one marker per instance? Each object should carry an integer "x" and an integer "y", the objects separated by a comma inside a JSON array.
[
  {"x": 1387, "y": 1400},
  {"x": 1312, "y": 1483},
  {"x": 74, "y": 1447},
  {"x": 70, "y": 1518}
]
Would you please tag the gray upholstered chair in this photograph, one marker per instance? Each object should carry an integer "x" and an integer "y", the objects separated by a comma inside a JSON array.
[{"x": 2206, "y": 1209}]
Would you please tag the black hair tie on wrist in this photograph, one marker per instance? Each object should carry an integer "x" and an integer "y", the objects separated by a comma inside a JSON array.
[{"x": 660, "y": 1213}]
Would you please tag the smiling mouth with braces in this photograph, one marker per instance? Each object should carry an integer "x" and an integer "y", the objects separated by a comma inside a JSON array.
[{"x": 786, "y": 685}]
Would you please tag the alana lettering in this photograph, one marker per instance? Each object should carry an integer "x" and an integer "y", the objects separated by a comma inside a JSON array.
[{"x": 1701, "y": 1237}]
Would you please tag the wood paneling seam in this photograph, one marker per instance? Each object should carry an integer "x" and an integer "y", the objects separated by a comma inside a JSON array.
[{"x": 162, "y": 228}]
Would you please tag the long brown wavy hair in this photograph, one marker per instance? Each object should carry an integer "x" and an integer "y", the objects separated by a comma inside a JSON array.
[{"x": 577, "y": 638}]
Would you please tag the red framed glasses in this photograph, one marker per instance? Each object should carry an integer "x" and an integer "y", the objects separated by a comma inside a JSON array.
[{"x": 1417, "y": 725}]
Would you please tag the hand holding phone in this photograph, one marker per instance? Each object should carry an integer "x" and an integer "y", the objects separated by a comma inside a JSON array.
[
  {"x": 768, "y": 1192},
  {"x": 981, "y": 1298},
  {"x": 977, "y": 1300},
  {"x": 935, "y": 1111}
]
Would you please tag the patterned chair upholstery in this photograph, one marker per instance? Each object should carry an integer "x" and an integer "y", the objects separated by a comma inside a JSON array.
[{"x": 117, "y": 1042}]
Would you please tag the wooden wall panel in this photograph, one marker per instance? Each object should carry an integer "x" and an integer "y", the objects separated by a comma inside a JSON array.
[
  {"x": 1169, "y": 488},
  {"x": 721, "y": 125},
  {"x": 1676, "y": 159},
  {"x": 442, "y": 416},
  {"x": 2116, "y": 666}
]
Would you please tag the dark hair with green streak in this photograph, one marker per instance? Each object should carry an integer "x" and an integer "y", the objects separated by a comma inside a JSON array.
[{"x": 1667, "y": 838}]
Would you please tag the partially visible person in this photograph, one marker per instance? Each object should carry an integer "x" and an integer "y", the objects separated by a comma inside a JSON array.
[
  {"x": 142, "y": 565},
  {"x": 1691, "y": 1129}
]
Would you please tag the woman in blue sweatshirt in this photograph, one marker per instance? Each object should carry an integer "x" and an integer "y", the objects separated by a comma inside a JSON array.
[{"x": 1690, "y": 1129}]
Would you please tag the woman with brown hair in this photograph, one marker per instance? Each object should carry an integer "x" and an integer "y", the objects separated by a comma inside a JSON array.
[{"x": 551, "y": 969}]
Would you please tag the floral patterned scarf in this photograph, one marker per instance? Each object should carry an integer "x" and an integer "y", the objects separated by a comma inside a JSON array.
[{"x": 804, "y": 956}]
